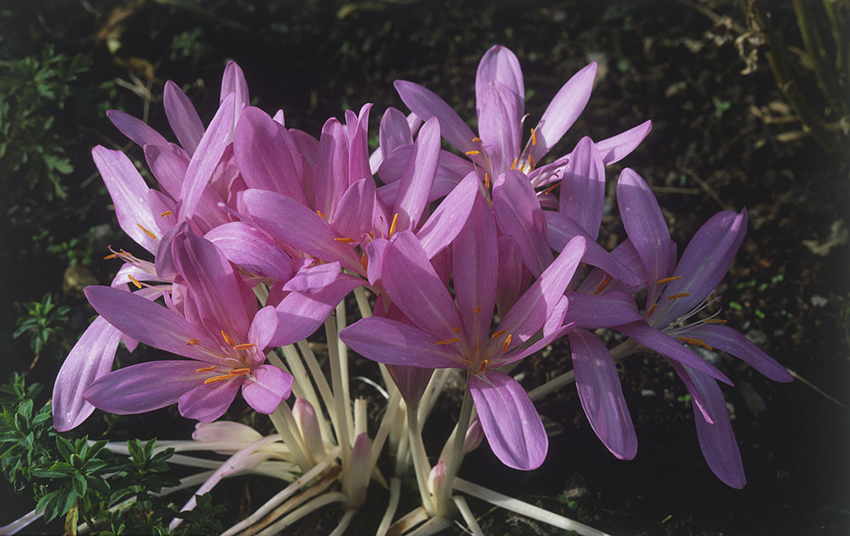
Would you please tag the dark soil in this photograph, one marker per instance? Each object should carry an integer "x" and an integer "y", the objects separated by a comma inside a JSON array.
[{"x": 665, "y": 61}]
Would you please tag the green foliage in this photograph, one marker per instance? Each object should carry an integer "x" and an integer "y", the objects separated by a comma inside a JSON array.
[
  {"x": 43, "y": 322},
  {"x": 32, "y": 91}
]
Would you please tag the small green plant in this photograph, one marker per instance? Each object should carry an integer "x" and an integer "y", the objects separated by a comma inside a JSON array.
[{"x": 43, "y": 323}]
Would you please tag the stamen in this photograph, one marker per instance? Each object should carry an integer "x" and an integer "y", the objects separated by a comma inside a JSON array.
[
  {"x": 456, "y": 330},
  {"x": 679, "y": 295},
  {"x": 513, "y": 166},
  {"x": 487, "y": 180},
  {"x": 533, "y": 137},
  {"x": 483, "y": 365},
  {"x": 244, "y": 346},
  {"x": 150, "y": 234},
  {"x": 695, "y": 342},
  {"x": 215, "y": 379},
  {"x": 472, "y": 153},
  {"x": 506, "y": 344},
  {"x": 365, "y": 262},
  {"x": 393, "y": 224},
  {"x": 193, "y": 342},
  {"x": 166, "y": 213},
  {"x": 476, "y": 310},
  {"x": 530, "y": 163},
  {"x": 652, "y": 309},
  {"x": 668, "y": 279},
  {"x": 346, "y": 240},
  {"x": 714, "y": 321},
  {"x": 227, "y": 338},
  {"x": 447, "y": 341},
  {"x": 134, "y": 281},
  {"x": 206, "y": 369},
  {"x": 602, "y": 285},
  {"x": 240, "y": 371},
  {"x": 319, "y": 212},
  {"x": 498, "y": 334},
  {"x": 110, "y": 257},
  {"x": 476, "y": 139},
  {"x": 549, "y": 190}
]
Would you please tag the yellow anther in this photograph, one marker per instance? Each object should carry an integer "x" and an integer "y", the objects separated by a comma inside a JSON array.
[
  {"x": 166, "y": 213},
  {"x": 346, "y": 240},
  {"x": 364, "y": 261},
  {"x": 192, "y": 342},
  {"x": 447, "y": 341},
  {"x": 506, "y": 344},
  {"x": 679, "y": 295},
  {"x": 215, "y": 379},
  {"x": 244, "y": 346},
  {"x": 602, "y": 285},
  {"x": 393, "y": 224},
  {"x": 227, "y": 338},
  {"x": 714, "y": 321},
  {"x": 487, "y": 180},
  {"x": 319, "y": 212},
  {"x": 533, "y": 137},
  {"x": 476, "y": 310},
  {"x": 472, "y": 153},
  {"x": 668, "y": 279},
  {"x": 695, "y": 342},
  {"x": 550, "y": 189},
  {"x": 530, "y": 163},
  {"x": 513, "y": 166},
  {"x": 498, "y": 334},
  {"x": 240, "y": 371},
  {"x": 652, "y": 309},
  {"x": 206, "y": 369},
  {"x": 483, "y": 366},
  {"x": 150, "y": 234},
  {"x": 476, "y": 139},
  {"x": 135, "y": 281},
  {"x": 456, "y": 330},
  {"x": 111, "y": 256}
]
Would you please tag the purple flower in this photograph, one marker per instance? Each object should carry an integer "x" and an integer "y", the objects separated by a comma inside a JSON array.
[
  {"x": 213, "y": 321},
  {"x": 457, "y": 332}
]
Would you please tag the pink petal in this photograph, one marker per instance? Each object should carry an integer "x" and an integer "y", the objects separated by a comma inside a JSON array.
[
  {"x": 728, "y": 340},
  {"x": 182, "y": 117},
  {"x": 448, "y": 219},
  {"x": 500, "y": 65},
  {"x": 299, "y": 314},
  {"x": 251, "y": 249},
  {"x": 208, "y": 402},
  {"x": 582, "y": 195},
  {"x": 144, "y": 387},
  {"x": 519, "y": 215},
  {"x": 617, "y": 147},
  {"x": 395, "y": 343},
  {"x": 266, "y": 388},
  {"x": 499, "y": 124},
  {"x": 135, "y": 129},
  {"x": 415, "y": 183},
  {"x": 424, "y": 103}
]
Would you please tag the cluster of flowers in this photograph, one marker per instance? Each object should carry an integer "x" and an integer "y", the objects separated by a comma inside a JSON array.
[{"x": 476, "y": 258}]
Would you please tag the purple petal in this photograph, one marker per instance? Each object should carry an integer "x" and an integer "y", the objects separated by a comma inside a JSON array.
[
  {"x": 206, "y": 157},
  {"x": 90, "y": 359},
  {"x": 603, "y": 311},
  {"x": 144, "y": 387},
  {"x": 148, "y": 322},
  {"x": 168, "y": 163},
  {"x": 511, "y": 280},
  {"x": 182, "y": 117},
  {"x": 728, "y": 340},
  {"x": 356, "y": 210},
  {"x": 424, "y": 103},
  {"x": 717, "y": 441},
  {"x": 510, "y": 421},
  {"x": 129, "y": 195},
  {"x": 313, "y": 278},
  {"x": 394, "y": 131},
  {"x": 266, "y": 388},
  {"x": 583, "y": 188},
  {"x": 499, "y": 124},
  {"x": 474, "y": 254},
  {"x": 263, "y": 328},
  {"x": 617, "y": 147},
  {"x": 208, "y": 402},
  {"x": 563, "y": 111},
  {"x": 395, "y": 343},
  {"x": 668, "y": 347},
  {"x": 415, "y": 183},
  {"x": 448, "y": 219},
  {"x": 299, "y": 315},
  {"x": 331, "y": 178},
  {"x": 251, "y": 249},
  {"x": 416, "y": 289},
  {"x": 646, "y": 228},
  {"x": 601, "y": 394},
  {"x": 500, "y": 65},
  {"x": 411, "y": 382},
  {"x": 519, "y": 215},
  {"x": 135, "y": 129},
  {"x": 233, "y": 81}
]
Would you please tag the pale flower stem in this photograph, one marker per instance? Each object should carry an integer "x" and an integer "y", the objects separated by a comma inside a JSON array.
[
  {"x": 343, "y": 523},
  {"x": 467, "y": 515},
  {"x": 384, "y": 428},
  {"x": 283, "y": 495},
  {"x": 392, "y": 506},
  {"x": 298, "y": 379},
  {"x": 21, "y": 523},
  {"x": 321, "y": 382},
  {"x": 523, "y": 508},
  {"x": 342, "y": 351},
  {"x": 409, "y": 520},
  {"x": 312, "y": 506},
  {"x": 421, "y": 466},
  {"x": 432, "y": 393},
  {"x": 455, "y": 455},
  {"x": 402, "y": 453},
  {"x": 435, "y": 525},
  {"x": 297, "y": 365},
  {"x": 362, "y": 302},
  {"x": 285, "y": 424},
  {"x": 343, "y": 415}
]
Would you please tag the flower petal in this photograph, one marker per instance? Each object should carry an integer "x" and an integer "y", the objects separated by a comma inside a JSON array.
[
  {"x": 448, "y": 219},
  {"x": 251, "y": 249},
  {"x": 144, "y": 387},
  {"x": 601, "y": 394},
  {"x": 500, "y": 65},
  {"x": 510, "y": 421},
  {"x": 519, "y": 215},
  {"x": 415, "y": 183},
  {"x": 395, "y": 343},
  {"x": 424, "y": 103},
  {"x": 135, "y": 129},
  {"x": 499, "y": 124},
  {"x": 299, "y": 314},
  {"x": 266, "y": 388},
  {"x": 208, "y": 402},
  {"x": 617, "y": 147},
  {"x": 728, "y": 340},
  {"x": 583, "y": 187},
  {"x": 184, "y": 120}
]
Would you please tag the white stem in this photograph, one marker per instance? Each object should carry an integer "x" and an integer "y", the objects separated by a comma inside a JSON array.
[
  {"x": 552, "y": 385},
  {"x": 384, "y": 428},
  {"x": 312, "y": 506},
  {"x": 421, "y": 466},
  {"x": 466, "y": 513},
  {"x": 298, "y": 379},
  {"x": 523, "y": 508},
  {"x": 285, "y": 424},
  {"x": 303, "y": 379},
  {"x": 455, "y": 455},
  {"x": 321, "y": 382},
  {"x": 19, "y": 524},
  {"x": 392, "y": 505},
  {"x": 343, "y": 424},
  {"x": 434, "y": 525},
  {"x": 343, "y": 523},
  {"x": 342, "y": 352}
]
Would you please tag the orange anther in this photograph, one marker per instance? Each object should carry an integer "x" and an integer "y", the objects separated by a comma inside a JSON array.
[
  {"x": 695, "y": 342},
  {"x": 244, "y": 346},
  {"x": 513, "y": 166},
  {"x": 530, "y": 163},
  {"x": 487, "y": 180},
  {"x": 393, "y": 224},
  {"x": 111, "y": 256},
  {"x": 319, "y": 212},
  {"x": 472, "y": 153},
  {"x": 192, "y": 342},
  {"x": 227, "y": 338},
  {"x": 549, "y": 190},
  {"x": 652, "y": 309},
  {"x": 346, "y": 240},
  {"x": 215, "y": 379},
  {"x": 602, "y": 285},
  {"x": 166, "y": 213},
  {"x": 447, "y": 341},
  {"x": 206, "y": 369},
  {"x": 506, "y": 344},
  {"x": 668, "y": 279},
  {"x": 498, "y": 334},
  {"x": 456, "y": 330},
  {"x": 533, "y": 137},
  {"x": 150, "y": 234},
  {"x": 679, "y": 295},
  {"x": 476, "y": 139},
  {"x": 240, "y": 371},
  {"x": 483, "y": 366},
  {"x": 476, "y": 310},
  {"x": 134, "y": 281},
  {"x": 364, "y": 260}
]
